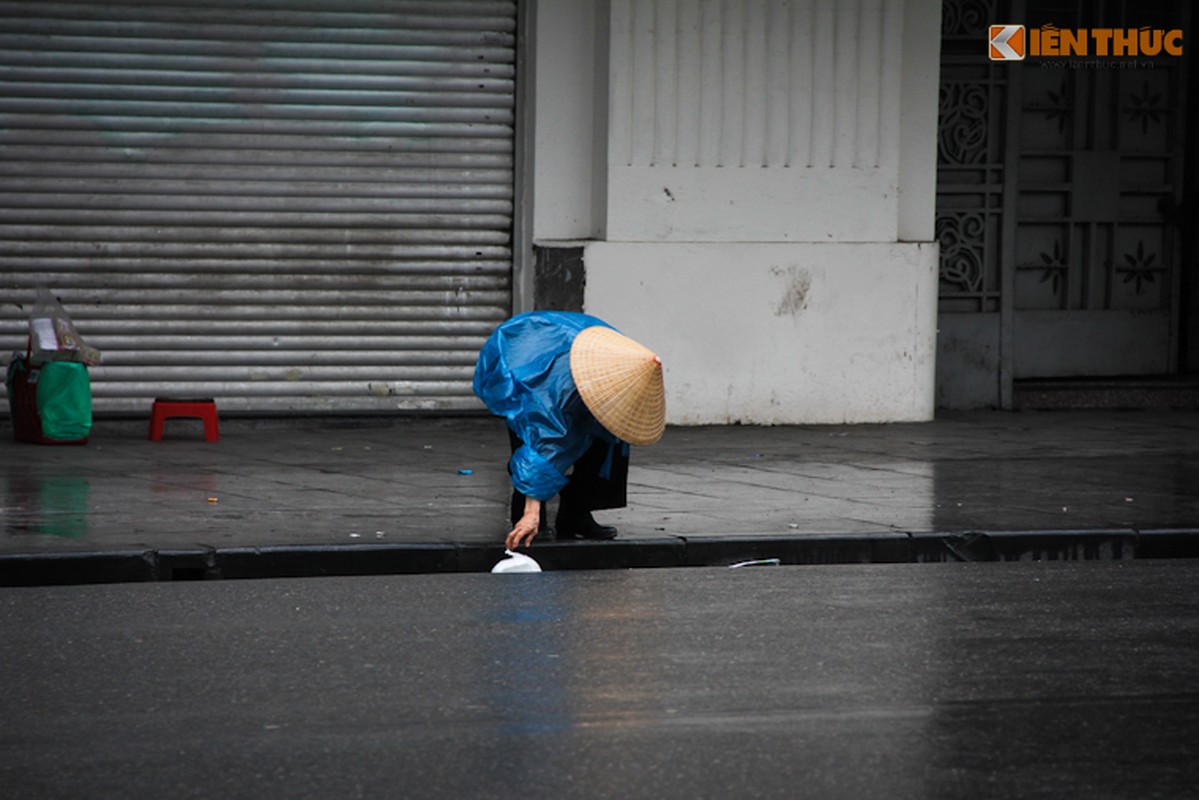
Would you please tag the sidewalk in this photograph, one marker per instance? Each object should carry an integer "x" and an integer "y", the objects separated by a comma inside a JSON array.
[{"x": 383, "y": 495}]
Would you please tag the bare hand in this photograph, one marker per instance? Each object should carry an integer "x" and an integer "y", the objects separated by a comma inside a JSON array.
[{"x": 526, "y": 527}]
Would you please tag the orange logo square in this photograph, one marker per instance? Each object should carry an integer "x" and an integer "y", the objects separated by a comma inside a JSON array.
[{"x": 1007, "y": 42}]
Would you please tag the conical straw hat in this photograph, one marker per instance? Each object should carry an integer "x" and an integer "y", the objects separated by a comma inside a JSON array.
[{"x": 620, "y": 381}]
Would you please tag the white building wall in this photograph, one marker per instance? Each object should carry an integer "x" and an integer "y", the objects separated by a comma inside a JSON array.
[
  {"x": 773, "y": 333},
  {"x": 567, "y": 112},
  {"x": 760, "y": 163},
  {"x": 753, "y": 121}
]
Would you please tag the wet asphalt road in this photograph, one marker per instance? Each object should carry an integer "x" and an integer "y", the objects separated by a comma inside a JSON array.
[{"x": 899, "y": 681}]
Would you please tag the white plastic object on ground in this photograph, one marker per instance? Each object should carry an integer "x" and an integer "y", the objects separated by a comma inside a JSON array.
[
  {"x": 757, "y": 562},
  {"x": 517, "y": 562}
]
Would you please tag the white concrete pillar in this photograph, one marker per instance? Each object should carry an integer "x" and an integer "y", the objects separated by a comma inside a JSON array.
[{"x": 761, "y": 201}]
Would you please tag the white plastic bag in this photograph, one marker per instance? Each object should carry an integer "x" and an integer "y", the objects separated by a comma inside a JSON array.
[
  {"x": 516, "y": 562},
  {"x": 52, "y": 335}
]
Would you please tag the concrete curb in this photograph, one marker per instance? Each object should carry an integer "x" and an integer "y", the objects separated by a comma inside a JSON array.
[{"x": 289, "y": 561}]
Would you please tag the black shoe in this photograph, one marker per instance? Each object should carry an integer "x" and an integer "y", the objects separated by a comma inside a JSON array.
[{"x": 583, "y": 526}]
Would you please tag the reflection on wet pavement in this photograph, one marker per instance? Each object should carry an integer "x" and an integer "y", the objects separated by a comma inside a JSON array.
[
  {"x": 49, "y": 506},
  {"x": 328, "y": 482}
]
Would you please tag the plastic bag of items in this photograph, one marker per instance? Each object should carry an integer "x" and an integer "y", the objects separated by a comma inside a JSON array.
[
  {"x": 49, "y": 389},
  {"x": 52, "y": 335}
]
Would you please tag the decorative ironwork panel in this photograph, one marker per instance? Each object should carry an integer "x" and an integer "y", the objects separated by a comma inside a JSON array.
[
  {"x": 1100, "y": 156},
  {"x": 969, "y": 160},
  {"x": 1059, "y": 180}
]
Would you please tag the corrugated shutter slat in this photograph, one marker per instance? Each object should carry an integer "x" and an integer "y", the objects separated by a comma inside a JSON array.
[{"x": 291, "y": 206}]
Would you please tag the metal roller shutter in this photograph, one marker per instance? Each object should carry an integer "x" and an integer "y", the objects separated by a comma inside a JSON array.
[{"x": 297, "y": 205}]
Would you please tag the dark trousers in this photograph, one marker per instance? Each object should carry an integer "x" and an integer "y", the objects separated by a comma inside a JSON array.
[{"x": 585, "y": 489}]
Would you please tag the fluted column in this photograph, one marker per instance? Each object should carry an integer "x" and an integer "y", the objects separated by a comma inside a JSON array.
[{"x": 772, "y": 120}]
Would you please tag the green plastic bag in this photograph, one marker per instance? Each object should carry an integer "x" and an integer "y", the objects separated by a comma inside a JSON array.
[{"x": 64, "y": 401}]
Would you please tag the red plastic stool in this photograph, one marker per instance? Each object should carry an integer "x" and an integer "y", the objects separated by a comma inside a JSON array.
[{"x": 203, "y": 408}]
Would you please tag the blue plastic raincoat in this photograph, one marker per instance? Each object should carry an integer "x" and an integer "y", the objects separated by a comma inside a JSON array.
[{"x": 523, "y": 375}]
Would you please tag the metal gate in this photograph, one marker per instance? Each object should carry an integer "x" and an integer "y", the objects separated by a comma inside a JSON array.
[
  {"x": 301, "y": 206},
  {"x": 1058, "y": 187}
]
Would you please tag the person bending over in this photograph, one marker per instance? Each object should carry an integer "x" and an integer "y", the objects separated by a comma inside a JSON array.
[{"x": 575, "y": 393}]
